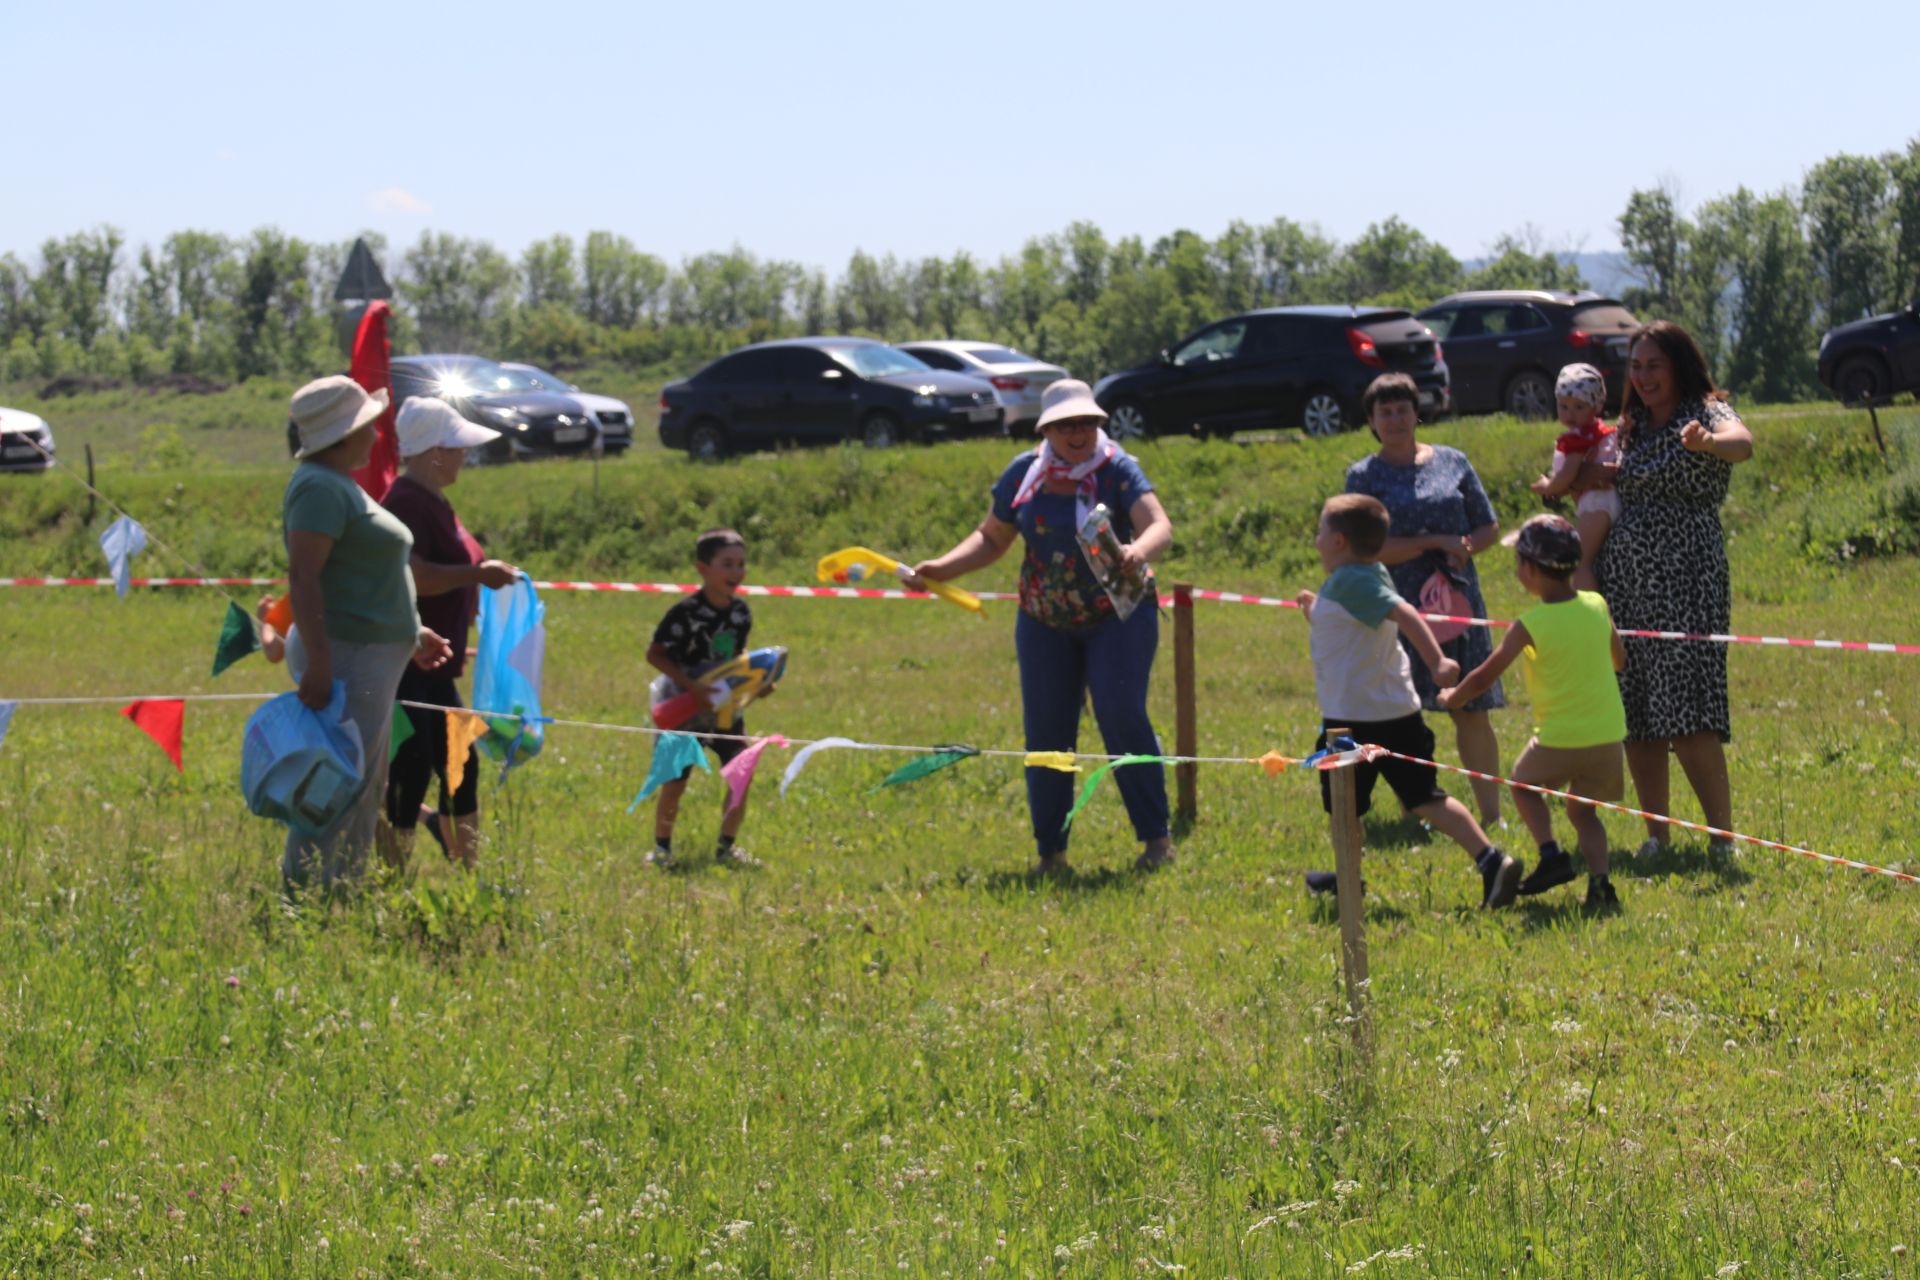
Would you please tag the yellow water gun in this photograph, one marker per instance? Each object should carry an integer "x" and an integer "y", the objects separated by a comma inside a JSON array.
[{"x": 850, "y": 565}]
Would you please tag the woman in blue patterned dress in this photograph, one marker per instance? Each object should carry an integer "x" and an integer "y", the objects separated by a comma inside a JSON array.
[
  {"x": 1664, "y": 568},
  {"x": 1441, "y": 520},
  {"x": 1071, "y": 643}
]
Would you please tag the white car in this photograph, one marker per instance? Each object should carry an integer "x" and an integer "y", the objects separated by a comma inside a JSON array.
[
  {"x": 20, "y": 433},
  {"x": 614, "y": 416},
  {"x": 1017, "y": 378}
]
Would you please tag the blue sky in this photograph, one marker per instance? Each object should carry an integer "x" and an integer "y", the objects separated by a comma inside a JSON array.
[{"x": 804, "y": 131}]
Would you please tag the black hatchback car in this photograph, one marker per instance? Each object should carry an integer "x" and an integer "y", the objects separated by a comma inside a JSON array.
[
  {"x": 1282, "y": 367},
  {"x": 810, "y": 390},
  {"x": 1505, "y": 347},
  {"x": 1868, "y": 360}
]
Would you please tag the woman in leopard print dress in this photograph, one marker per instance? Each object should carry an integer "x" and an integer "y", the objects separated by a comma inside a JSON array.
[{"x": 1664, "y": 568}]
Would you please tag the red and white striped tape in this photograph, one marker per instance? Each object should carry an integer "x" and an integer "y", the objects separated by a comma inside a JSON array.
[
  {"x": 1833, "y": 859},
  {"x": 876, "y": 593}
]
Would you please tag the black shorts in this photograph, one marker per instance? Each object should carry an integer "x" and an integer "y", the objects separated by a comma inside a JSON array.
[
  {"x": 423, "y": 757},
  {"x": 726, "y": 748},
  {"x": 1413, "y": 784}
]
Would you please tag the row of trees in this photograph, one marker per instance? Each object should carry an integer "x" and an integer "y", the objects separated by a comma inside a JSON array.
[{"x": 1756, "y": 276}]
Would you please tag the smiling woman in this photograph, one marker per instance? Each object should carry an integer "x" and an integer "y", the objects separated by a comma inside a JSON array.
[{"x": 1071, "y": 641}]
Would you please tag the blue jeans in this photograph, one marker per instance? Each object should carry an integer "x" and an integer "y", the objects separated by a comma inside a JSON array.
[{"x": 1058, "y": 669}]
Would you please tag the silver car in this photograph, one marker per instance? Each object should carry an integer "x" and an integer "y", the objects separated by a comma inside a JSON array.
[
  {"x": 1017, "y": 378},
  {"x": 26, "y": 441}
]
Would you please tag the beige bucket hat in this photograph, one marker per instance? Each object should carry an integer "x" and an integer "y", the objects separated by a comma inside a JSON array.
[
  {"x": 1067, "y": 398},
  {"x": 328, "y": 410}
]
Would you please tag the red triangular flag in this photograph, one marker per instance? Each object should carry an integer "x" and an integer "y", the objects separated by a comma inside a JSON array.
[
  {"x": 160, "y": 720},
  {"x": 369, "y": 369}
]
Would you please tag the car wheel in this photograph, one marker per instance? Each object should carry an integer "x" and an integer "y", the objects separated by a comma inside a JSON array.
[
  {"x": 708, "y": 442},
  {"x": 1861, "y": 379},
  {"x": 881, "y": 431},
  {"x": 1127, "y": 422},
  {"x": 1530, "y": 396},
  {"x": 1322, "y": 415}
]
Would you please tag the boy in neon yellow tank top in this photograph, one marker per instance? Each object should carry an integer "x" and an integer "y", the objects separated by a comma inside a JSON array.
[{"x": 1572, "y": 652}]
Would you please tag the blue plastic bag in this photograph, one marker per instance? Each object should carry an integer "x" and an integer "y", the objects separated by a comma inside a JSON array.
[
  {"x": 507, "y": 671},
  {"x": 301, "y": 766}
]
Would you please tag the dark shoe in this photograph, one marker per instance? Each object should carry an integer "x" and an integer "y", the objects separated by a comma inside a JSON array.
[
  {"x": 1601, "y": 896},
  {"x": 1051, "y": 867},
  {"x": 1499, "y": 877},
  {"x": 659, "y": 858},
  {"x": 1555, "y": 869},
  {"x": 430, "y": 819},
  {"x": 739, "y": 859},
  {"x": 1328, "y": 882},
  {"x": 1153, "y": 859}
]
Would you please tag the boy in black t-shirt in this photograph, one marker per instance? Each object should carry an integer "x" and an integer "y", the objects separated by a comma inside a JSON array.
[{"x": 704, "y": 630}]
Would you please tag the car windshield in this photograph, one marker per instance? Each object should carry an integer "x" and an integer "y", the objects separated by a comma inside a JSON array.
[
  {"x": 540, "y": 379},
  {"x": 877, "y": 360},
  {"x": 479, "y": 378},
  {"x": 1001, "y": 355}
]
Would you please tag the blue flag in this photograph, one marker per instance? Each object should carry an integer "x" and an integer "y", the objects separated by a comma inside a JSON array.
[
  {"x": 673, "y": 755},
  {"x": 122, "y": 541}
]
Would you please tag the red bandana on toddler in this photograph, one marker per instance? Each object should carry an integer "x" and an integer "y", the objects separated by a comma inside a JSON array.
[
  {"x": 1046, "y": 466},
  {"x": 1582, "y": 441}
]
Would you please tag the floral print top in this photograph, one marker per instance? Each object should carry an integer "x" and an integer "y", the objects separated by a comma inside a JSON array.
[{"x": 1057, "y": 587}]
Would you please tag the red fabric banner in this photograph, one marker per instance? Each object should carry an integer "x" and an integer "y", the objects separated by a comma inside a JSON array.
[
  {"x": 369, "y": 369},
  {"x": 161, "y": 720}
]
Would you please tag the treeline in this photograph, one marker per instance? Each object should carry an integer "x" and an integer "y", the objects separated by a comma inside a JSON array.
[{"x": 1756, "y": 276}]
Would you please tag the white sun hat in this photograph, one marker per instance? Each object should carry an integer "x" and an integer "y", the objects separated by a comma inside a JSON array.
[
  {"x": 328, "y": 410},
  {"x": 1067, "y": 398},
  {"x": 426, "y": 423}
]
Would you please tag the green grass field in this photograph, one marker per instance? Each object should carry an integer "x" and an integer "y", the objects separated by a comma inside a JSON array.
[{"x": 888, "y": 1054}]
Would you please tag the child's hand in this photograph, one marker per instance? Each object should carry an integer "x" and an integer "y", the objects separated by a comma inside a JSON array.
[
  {"x": 1541, "y": 486},
  {"x": 1450, "y": 697},
  {"x": 765, "y": 691},
  {"x": 1447, "y": 674},
  {"x": 260, "y": 610},
  {"x": 1306, "y": 601}
]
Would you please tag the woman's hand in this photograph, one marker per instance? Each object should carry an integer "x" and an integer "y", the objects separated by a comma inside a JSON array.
[
  {"x": 432, "y": 651},
  {"x": 917, "y": 578},
  {"x": 1456, "y": 549},
  {"x": 497, "y": 574},
  {"x": 1450, "y": 697},
  {"x": 316, "y": 683},
  {"x": 1695, "y": 438},
  {"x": 1133, "y": 561}
]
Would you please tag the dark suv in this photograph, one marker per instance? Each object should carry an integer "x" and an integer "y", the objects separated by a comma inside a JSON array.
[
  {"x": 1505, "y": 347},
  {"x": 1282, "y": 367},
  {"x": 1868, "y": 360},
  {"x": 821, "y": 389}
]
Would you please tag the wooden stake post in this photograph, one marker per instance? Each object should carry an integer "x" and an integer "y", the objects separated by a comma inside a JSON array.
[
  {"x": 1345, "y": 821},
  {"x": 1186, "y": 733}
]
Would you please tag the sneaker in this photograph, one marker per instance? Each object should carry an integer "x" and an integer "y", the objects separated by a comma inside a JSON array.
[
  {"x": 1601, "y": 896},
  {"x": 1554, "y": 870},
  {"x": 1154, "y": 858},
  {"x": 1499, "y": 877},
  {"x": 1052, "y": 866},
  {"x": 1719, "y": 849},
  {"x": 1651, "y": 847},
  {"x": 737, "y": 858},
  {"x": 1323, "y": 882},
  {"x": 660, "y": 858}
]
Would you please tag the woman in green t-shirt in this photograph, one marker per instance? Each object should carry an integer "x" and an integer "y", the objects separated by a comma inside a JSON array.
[{"x": 353, "y": 606}]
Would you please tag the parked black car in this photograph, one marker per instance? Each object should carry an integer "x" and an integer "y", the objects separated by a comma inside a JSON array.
[
  {"x": 1282, "y": 367},
  {"x": 1505, "y": 347},
  {"x": 807, "y": 390},
  {"x": 532, "y": 422},
  {"x": 1866, "y": 361}
]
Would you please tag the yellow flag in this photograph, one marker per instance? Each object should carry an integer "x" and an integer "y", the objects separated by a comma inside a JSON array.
[
  {"x": 1061, "y": 760},
  {"x": 464, "y": 728}
]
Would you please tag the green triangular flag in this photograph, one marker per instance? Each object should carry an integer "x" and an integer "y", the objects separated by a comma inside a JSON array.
[
  {"x": 401, "y": 731},
  {"x": 238, "y": 638},
  {"x": 1093, "y": 780},
  {"x": 921, "y": 766}
]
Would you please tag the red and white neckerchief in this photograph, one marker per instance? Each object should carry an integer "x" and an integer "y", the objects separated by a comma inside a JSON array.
[{"x": 1047, "y": 467}]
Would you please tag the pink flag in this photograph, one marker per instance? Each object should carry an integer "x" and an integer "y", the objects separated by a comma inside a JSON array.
[{"x": 738, "y": 771}]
